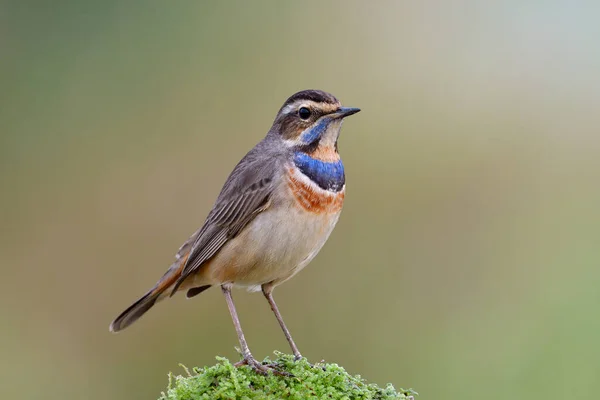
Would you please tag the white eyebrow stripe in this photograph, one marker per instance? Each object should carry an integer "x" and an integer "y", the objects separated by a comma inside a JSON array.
[
  {"x": 294, "y": 106},
  {"x": 289, "y": 108}
]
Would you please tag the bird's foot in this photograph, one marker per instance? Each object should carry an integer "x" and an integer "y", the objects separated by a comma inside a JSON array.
[{"x": 261, "y": 368}]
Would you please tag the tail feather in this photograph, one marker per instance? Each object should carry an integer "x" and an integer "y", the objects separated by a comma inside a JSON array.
[
  {"x": 158, "y": 292},
  {"x": 196, "y": 291},
  {"x": 139, "y": 308},
  {"x": 133, "y": 312}
]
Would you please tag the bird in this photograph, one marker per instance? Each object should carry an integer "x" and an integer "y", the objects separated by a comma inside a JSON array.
[{"x": 273, "y": 215}]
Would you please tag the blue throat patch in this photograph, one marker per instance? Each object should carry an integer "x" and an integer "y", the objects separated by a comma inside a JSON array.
[
  {"x": 328, "y": 175},
  {"x": 315, "y": 132}
]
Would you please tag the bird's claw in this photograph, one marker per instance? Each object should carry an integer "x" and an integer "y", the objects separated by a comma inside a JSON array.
[{"x": 262, "y": 369}]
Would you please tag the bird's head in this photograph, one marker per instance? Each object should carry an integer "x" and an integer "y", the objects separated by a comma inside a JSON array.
[{"x": 310, "y": 118}]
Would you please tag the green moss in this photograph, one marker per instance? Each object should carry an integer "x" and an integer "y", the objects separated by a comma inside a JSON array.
[{"x": 321, "y": 381}]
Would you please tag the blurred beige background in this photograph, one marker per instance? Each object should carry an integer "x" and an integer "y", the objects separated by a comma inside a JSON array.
[{"x": 465, "y": 264}]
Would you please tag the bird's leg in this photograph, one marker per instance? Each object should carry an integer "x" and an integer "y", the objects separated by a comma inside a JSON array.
[
  {"x": 267, "y": 290},
  {"x": 248, "y": 358}
]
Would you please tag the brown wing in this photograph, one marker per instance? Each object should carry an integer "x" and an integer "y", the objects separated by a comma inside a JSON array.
[{"x": 224, "y": 222}]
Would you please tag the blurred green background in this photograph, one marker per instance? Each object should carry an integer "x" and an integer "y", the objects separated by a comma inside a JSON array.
[{"x": 465, "y": 263}]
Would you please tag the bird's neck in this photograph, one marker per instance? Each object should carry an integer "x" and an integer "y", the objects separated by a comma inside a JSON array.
[{"x": 322, "y": 165}]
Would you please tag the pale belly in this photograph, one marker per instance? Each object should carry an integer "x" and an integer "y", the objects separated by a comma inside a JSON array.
[{"x": 277, "y": 244}]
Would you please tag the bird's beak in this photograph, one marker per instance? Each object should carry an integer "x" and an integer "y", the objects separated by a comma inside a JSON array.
[{"x": 344, "y": 112}]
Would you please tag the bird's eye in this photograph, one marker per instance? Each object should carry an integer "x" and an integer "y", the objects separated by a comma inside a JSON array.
[{"x": 304, "y": 113}]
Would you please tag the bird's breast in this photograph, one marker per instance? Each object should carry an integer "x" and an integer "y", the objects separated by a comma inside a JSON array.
[
  {"x": 280, "y": 241},
  {"x": 310, "y": 197},
  {"x": 321, "y": 169}
]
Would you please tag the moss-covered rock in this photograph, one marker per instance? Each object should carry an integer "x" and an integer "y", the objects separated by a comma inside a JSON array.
[{"x": 321, "y": 381}]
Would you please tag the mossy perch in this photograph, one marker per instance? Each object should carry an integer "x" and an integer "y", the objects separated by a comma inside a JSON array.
[{"x": 321, "y": 381}]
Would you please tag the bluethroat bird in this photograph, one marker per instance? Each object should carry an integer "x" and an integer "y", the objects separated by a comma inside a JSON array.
[{"x": 273, "y": 215}]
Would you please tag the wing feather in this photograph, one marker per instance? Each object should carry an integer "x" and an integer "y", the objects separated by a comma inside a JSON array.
[{"x": 224, "y": 222}]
